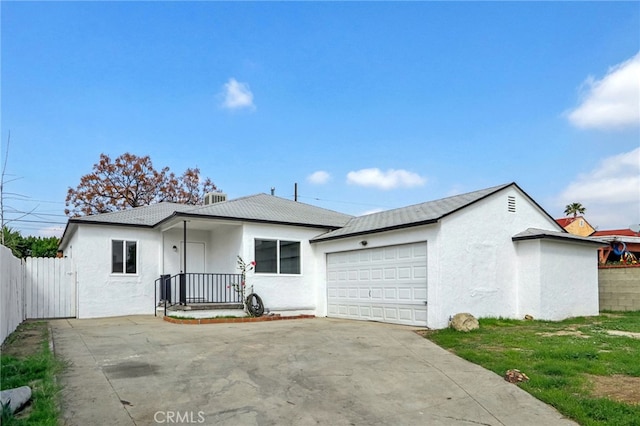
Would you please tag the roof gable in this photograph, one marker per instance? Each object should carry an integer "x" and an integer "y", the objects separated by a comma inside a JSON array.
[{"x": 418, "y": 214}]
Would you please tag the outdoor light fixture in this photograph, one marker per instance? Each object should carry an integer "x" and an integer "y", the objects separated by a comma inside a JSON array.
[{"x": 175, "y": 248}]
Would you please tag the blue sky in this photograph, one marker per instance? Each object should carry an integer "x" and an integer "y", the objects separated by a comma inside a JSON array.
[{"x": 367, "y": 106}]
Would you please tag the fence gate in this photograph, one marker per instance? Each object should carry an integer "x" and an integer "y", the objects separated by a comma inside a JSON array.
[{"x": 50, "y": 288}]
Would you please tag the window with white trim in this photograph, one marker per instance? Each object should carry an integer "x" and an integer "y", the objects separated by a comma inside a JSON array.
[
  {"x": 124, "y": 257},
  {"x": 277, "y": 257}
]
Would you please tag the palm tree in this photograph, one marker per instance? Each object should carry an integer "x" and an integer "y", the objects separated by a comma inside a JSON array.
[{"x": 574, "y": 209}]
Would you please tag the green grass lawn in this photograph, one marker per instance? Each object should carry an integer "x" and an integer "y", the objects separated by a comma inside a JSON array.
[
  {"x": 576, "y": 365},
  {"x": 27, "y": 361}
]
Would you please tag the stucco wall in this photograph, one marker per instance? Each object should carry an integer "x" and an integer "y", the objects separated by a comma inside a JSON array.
[
  {"x": 478, "y": 260},
  {"x": 283, "y": 292},
  {"x": 619, "y": 288},
  {"x": 225, "y": 245},
  {"x": 557, "y": 279},
  {"x": 568, "y": 280},
  {"x": 528, "y": 278},
  {"x": 103, "y": 294},
  {"x": 474, "y": 265}
]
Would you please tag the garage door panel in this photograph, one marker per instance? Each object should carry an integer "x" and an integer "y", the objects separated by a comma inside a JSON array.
[
  {"x": 420, "y": 294},
  {"x": 376, "y": 254},
  {"x": 391, "y": 284},
  {"x": 364, "y": 275},
  {"x": 377, "y": 313},
  {"x": 406, "y": 314},
  {"x": 406, "y": 294},
  {"x": 405, "y": 273},
  {"x": 391, "y": 313},
  {"x": 419, "y": 272},
  {"x": 376, "y": 274}
]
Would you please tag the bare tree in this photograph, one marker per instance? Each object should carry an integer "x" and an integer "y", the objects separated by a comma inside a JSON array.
[{"x": 132, "y": 181}]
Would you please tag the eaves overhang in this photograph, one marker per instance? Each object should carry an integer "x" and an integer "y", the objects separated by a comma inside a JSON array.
[
  {"x": 536, "y": 234},
  {"x": 187, "y": 216},
  {"x": 320, "y": 239}
]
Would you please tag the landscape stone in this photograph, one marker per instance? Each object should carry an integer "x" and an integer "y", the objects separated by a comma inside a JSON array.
[
  {"x": 464, "y": 322},
  {"x": 15, "y": 398}
]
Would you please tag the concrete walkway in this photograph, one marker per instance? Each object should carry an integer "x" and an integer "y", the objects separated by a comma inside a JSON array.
[{"x": 142, "y": 371}]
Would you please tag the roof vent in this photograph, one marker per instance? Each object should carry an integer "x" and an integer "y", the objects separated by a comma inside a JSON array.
[
  {"x": 511, "y": 204},
  {"x": 214, "y": 197}
]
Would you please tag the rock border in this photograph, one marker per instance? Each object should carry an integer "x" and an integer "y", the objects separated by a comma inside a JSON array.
[{"x": 197, "y": 321}]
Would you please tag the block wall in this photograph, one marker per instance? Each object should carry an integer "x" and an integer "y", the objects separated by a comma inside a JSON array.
[{"x": 619, "y": 288}]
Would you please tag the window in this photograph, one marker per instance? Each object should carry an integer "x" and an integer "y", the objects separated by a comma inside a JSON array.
[
  {"x": 124, "y": 255},
  {"x": 277, "y": 257}
]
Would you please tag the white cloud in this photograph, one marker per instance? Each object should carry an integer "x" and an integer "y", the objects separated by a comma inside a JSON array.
[
  {"x": 320, "y": 177},
  {"x": 385, "y": 180},
  {"x": 613, "y": 101},
  {"x": 610, "y": 192},
  {"x": 237, "y": 95}
]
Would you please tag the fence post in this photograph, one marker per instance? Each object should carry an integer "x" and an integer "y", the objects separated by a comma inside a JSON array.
[{"x": 183, "y": 288}]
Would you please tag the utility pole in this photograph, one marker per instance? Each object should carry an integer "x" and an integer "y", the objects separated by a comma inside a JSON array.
[{"x": 4, "y": 168}]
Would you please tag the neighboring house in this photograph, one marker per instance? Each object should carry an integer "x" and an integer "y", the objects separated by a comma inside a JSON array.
[
  {"x": 493, "y": 252},
  {"x": 620, "y": 241},
  {"x": 576, "y": 225}
]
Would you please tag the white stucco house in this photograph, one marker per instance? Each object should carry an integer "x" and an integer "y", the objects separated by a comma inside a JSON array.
[{"x": 492, "y": 252}]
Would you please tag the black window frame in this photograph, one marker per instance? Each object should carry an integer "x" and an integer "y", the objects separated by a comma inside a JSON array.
[
  {"x": 276, "y": 264},
  {"x": 124, "y": 261}
]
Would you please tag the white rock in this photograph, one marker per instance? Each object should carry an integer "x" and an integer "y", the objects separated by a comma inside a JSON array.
[{"x": 15, "y": 398}]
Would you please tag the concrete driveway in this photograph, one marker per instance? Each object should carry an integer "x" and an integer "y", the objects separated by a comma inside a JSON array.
[{"x": 141, "y": 370}]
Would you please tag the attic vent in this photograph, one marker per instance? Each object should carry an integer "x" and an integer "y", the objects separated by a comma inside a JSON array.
[
  {"x": 511, "y": 204},
  {"x": 214, "y": 197}
]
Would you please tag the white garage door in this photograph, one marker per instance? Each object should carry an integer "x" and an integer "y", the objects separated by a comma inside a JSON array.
[{"x": 386, "y": 284}]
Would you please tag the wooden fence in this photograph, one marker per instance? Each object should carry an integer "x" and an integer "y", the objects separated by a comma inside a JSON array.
[
  {"x": 34, "y": 288},
  {"x": 50, "y": 290}
]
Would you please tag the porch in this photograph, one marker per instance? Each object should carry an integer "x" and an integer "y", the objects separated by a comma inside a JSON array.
[{"x": 194, "y": 291}]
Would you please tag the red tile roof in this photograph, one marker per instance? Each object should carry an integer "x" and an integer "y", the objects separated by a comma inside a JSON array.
[
  {"x": 621, "y": 232},
  {"x": 565, "y": 221}
]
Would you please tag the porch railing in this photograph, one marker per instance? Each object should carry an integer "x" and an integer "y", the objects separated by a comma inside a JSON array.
[{"x": 196, "y": 288}]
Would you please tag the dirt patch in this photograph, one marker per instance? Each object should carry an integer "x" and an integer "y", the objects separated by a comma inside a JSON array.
[
  {"x": 26, "y": 340},
  {"x": 575, "y": 333},
  {"x": 617, "y": 388},
  {"x": 624, "y": 333}
]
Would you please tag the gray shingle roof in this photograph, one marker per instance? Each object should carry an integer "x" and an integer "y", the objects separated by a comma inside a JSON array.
[
  {"x": 139, "y": 216},
  {"x": 417, "y": 214},
  {"x": 272, "y": 209},
  {"x": 260, "y": 208},
  {"x": 535, "y": 234}
]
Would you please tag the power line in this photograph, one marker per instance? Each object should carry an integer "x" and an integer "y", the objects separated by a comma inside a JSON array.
[
  {"x": 345, "y": 202},
  {"x": 48, "y": 222}
]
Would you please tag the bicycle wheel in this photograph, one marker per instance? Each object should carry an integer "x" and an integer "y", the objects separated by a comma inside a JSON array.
[{"x": 255, "y": 305}]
